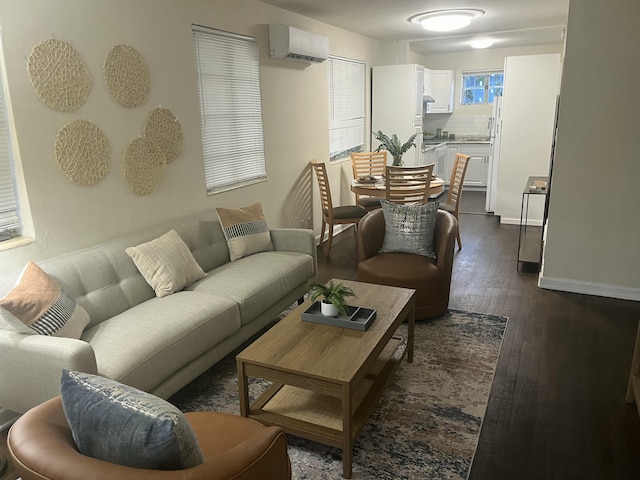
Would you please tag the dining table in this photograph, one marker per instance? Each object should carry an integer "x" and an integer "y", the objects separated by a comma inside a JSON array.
[{"x": 379, "y": 188}]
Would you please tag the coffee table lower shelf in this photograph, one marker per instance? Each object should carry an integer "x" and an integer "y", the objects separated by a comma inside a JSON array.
[{"x": 320, "y": 416}]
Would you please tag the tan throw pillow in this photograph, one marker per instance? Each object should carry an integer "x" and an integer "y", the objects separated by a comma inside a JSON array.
[
  {"x": 166, "y": 263},
  {"x": 38, "y": 302},
  {"x": 246, "y": 230}
]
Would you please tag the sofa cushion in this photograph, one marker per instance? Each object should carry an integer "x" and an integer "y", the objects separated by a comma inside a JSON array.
[
  {"x": 39, "y": 303},
  {"x": 409, "y": 228},
  {"x": 245, "y": 229},
  {"x": 258, "y": 281},
  {"x": 162, "y": 335},
  {"x": 166, "y": 263},
  {"x": 123, "y": 425}
]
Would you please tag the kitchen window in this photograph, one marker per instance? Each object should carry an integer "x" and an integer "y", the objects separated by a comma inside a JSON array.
[
  {"x": 347, "y": 79},
  {"x": 228, "y": 72},
  {"x": 480, "y": 88},
  {"x": 9, "y": 218}
]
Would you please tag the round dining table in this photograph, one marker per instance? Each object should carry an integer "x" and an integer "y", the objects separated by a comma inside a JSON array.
[{"x": 379, "y": 189}]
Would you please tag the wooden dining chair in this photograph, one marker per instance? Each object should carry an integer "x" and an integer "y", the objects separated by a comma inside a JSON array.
[
  {"x": 408, "y": 185},
  {"x": 344, "y": 214},
  {"x": 452, "y": 205},
  {"x": 364, "y": 164}
]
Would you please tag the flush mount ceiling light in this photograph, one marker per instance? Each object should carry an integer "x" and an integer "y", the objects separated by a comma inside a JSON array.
[
  {"x": 446, "y": 20},
  {"x": 481, "y": 43}
]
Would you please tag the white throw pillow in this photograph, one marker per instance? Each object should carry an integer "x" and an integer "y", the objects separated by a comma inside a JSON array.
[{"x": 166, "y": 263}]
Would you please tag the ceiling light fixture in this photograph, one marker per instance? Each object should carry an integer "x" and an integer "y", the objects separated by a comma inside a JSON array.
[
  {"x": 446, "y": 20},
  {"x": 481, "y": 43}
]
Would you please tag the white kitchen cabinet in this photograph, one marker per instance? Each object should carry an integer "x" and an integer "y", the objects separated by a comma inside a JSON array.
[
  {"x": 429, "y": 156},
  {"x": 478, "y": 167},
  {"x": 397, "y": 105},
  {"x": 441, "y": 91}
]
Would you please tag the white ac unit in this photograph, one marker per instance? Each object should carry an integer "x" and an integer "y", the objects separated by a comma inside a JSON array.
[{"x": 294, "y": 44}]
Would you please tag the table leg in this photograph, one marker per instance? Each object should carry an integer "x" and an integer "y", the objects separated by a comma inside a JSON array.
[
  {"x": 243, "y": 390},
  {"x": 347, "y": 447},
  {"x": 411, "y": 323}
]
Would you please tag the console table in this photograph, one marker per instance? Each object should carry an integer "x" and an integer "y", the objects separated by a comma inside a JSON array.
[{"x": 530, "y": 238}]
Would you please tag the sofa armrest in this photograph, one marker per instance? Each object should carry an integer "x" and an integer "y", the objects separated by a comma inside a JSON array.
[
  {"x": 31, "y": 365},
  {"x": 295, "y": 240}
]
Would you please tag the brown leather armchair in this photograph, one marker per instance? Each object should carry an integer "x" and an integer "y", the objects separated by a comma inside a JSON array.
[
  {"x": 430, "y": 278},
  {"x": 41, "y": 447}
]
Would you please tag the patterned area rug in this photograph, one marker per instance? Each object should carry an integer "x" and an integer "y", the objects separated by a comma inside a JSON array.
[{"x": 427, "y": 422}]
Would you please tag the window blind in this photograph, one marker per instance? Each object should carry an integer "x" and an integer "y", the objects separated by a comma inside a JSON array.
[
  {"x": 346, "y": 105},
  {"x": 230, "y": 108},
  {"x": 8, "y": 206}
]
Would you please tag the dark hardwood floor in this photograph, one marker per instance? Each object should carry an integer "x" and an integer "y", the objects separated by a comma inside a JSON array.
[{"x": 557, "y": 406}]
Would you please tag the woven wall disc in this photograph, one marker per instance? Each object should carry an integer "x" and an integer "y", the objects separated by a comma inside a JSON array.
[
  {"x": 127, "y": 76},
  {"x": 143, "y": 166},
  {"x": 83, "y": 152},
  {"x": 163, "y": 128},
  {"x": 59, "y": 75}
]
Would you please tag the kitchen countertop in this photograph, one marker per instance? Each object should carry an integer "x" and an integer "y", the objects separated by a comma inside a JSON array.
[{"x": 431, "y": 144}]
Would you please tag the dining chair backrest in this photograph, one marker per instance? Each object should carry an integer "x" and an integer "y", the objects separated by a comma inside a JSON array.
[
  {"x": 457, "y": 179},
  {"x": 368, "y": 163},
  {"x": 408, "y": 184},
  {"x": 323, "y": 184}
]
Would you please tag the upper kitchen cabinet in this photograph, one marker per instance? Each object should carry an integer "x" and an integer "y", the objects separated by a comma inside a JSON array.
[
  {"x": 397, "y": 105},
  {"x": 441, "y": 87}
]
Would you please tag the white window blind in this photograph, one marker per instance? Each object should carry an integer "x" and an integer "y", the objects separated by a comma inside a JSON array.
[
  {"x": 346, "y": 105},
  {"x": 230, "y": 108},
  {"x": 8, "y": 205}
]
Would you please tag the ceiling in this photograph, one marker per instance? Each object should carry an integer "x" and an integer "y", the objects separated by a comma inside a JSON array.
[{"x": 510, "y": 23}]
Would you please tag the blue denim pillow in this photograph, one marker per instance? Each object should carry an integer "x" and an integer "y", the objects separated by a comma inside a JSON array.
[
  {"x": 123, "y": 425},
  {"x": 409, "y": 228}
]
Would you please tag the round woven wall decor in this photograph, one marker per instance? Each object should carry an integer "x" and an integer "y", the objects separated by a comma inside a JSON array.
[
  {"x": 163, "y": 128},
  {"x": 127, "y": 76},
  {"x": 83, "y": 152},
  {"x": 59, "y": 75},
  {"x": 143, "y": 166}
]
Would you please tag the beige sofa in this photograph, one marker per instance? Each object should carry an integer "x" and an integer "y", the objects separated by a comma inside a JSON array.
[{"x": 155, "y": 344}]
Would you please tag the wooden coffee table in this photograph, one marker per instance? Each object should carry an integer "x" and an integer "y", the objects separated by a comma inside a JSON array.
[{"x": 326, "y": 380}]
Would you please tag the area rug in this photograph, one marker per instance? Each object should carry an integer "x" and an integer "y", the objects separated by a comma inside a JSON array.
[{"x": 428, "y": 421}]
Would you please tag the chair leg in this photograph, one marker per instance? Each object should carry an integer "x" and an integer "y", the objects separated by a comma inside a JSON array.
[
  {"x": 324, "y": 224},
  {"x": 330, "y": 239},
  {"x": 459, "y": 241}
]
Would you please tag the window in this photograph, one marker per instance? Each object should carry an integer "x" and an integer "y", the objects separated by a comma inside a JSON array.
[
  {"x": 228, "y": 73},
  {"x": 9, "y": 222},
  {"x": 346, "y": 106},
  {"x": 480, "y": 88}
]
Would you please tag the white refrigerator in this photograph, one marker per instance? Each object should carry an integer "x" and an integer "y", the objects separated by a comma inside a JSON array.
[
  {"x": 495, "y": 129},
  {"x": 397, "y": 106},
  {"x": 531, "y": 85}
]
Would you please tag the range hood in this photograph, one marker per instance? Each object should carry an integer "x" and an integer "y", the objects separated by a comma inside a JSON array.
[{"x": 428, "y": 98}]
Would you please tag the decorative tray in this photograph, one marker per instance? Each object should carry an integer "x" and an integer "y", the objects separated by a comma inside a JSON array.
[{"x": 359, "y": 318}]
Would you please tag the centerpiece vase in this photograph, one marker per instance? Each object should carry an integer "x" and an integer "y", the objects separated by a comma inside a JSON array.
[{"x": 397, "y": 160}]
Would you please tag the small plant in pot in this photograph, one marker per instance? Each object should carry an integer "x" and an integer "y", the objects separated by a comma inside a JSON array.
[
  {"x": 333, "y": 297},
  {"x": 393, "y": 145}
]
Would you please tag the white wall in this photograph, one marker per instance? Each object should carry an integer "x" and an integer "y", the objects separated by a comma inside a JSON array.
[
  {"x": 295, "y": 115},
  {"x": 593, "y": 233}
]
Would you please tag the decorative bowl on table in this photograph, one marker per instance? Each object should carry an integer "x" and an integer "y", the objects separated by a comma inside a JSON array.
[{"x": 367, "y": 179}]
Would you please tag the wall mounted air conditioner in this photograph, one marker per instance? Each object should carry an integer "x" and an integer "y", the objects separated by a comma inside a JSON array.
[{"x": 294, "y": 44}]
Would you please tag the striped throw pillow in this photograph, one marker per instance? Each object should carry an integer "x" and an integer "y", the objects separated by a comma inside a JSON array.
[
  {"x": 40, "y": 303},
  {"x": 245, "y": 229}
]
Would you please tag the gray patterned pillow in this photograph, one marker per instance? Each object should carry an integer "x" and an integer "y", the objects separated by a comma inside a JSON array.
[
  {"x": 409, "y": 228},
  {"x": 123, "y": 425}
]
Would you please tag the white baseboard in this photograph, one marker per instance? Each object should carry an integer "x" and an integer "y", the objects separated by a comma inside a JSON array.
[
  {"x": 516, "y": 221},
  {"x": 336, "y": 230},
  {"x": 589, "y": 288}
]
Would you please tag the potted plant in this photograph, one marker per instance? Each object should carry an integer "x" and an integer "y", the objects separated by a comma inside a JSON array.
[
  {"x": 393, "y": 145},
  {"x": 333, "y": 297}
]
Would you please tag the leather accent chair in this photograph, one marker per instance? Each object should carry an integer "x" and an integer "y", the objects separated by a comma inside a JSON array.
[
  {"x": 41, "y": 447},
  {"x": 431, "y": 278}
]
